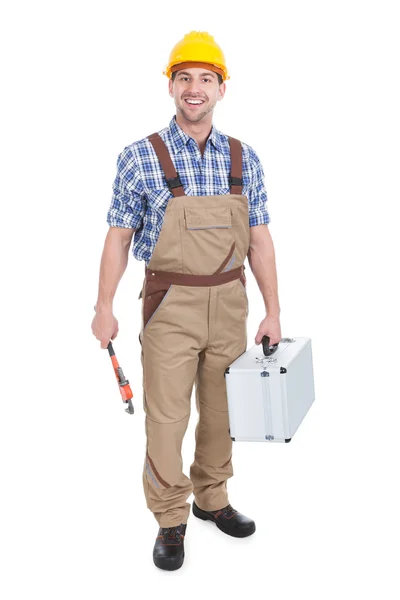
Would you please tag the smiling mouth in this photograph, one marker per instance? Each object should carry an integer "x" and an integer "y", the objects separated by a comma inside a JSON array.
[{"x": 194, "y": 102}]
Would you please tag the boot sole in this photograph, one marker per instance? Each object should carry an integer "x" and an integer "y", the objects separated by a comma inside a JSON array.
[{"x": 204, "y": 516}]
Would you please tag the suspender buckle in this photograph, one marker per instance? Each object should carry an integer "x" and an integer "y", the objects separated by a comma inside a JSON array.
[
  {"x": 235, "y": 180},
  {"x": 174, "y": 182}
]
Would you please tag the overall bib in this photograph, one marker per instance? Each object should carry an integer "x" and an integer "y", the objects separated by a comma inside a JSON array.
[{"x": 194, "y": 314}]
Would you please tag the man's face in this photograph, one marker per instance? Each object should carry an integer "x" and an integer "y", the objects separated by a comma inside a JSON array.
[{"x": 196, "y": 92}]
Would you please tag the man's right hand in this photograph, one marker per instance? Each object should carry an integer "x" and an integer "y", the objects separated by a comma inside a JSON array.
[{"x": 104, "y": 326}]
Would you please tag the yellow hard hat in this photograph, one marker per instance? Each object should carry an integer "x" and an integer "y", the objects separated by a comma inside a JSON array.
[{"x": 197, "y": 49}]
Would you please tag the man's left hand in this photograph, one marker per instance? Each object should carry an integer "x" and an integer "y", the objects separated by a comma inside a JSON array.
[{"x": 271, "y": 327}]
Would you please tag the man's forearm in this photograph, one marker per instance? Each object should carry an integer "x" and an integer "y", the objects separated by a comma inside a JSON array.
[
  {"x": 114, "y": 261},
  {"x": 261, "y": 258}
]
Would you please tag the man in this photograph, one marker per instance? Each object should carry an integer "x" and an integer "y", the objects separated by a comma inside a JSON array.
[{"x": 196, "y": 201}]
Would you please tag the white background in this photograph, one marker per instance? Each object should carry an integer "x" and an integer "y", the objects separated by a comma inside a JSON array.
[{"x": 314, "y": 89}]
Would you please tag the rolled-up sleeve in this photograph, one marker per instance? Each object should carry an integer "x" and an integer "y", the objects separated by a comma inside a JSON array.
[
  {"x": 127, "y": 206},
  {"x": 257, "y": 194}
]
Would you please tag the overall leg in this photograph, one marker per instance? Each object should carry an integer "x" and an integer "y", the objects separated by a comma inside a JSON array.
[
  {"x": 170, "y": 348},
  {"x": 212, "y": 466}
]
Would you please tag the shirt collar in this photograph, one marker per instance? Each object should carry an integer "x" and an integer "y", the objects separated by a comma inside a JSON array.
[{"x": 180, "y": 138}]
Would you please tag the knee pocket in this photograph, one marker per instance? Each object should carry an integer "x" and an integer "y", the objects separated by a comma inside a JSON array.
[{"x": 165, "y": 422}]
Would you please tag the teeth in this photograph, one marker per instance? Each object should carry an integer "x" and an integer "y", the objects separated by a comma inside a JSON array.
[{"x": 194, "y": 101}]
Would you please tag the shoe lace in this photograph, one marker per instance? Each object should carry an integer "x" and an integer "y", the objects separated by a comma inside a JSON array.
[
  {"x": 172, "y": 532},
  {"x": 229, "y": 509}
]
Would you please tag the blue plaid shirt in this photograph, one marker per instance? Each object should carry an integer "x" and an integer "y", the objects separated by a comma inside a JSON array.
[{"x": 140, "y": 192}]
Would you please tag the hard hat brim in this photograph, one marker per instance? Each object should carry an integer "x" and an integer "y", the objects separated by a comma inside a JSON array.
[{"x": 192, "y": 64}]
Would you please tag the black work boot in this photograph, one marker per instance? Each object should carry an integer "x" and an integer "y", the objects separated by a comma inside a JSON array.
[
  {"x": 228, "y": 520},
  {"x": 168, "y": 553}
]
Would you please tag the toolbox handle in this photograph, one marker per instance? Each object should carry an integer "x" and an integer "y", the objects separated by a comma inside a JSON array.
[{"x": 267, "y": 349}]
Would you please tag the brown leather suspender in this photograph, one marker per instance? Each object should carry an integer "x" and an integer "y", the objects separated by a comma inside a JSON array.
[
  {"x": 235, "y": 177},
  {"x": 173, "y": 181}
]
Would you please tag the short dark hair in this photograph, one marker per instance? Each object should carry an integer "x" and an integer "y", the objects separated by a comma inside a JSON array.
[{"x": 220, "y": 80}]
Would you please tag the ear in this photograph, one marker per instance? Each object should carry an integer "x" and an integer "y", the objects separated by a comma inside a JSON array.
[
  {"x": 221, "y": 91},
  {"x": 171, "y": 87}
]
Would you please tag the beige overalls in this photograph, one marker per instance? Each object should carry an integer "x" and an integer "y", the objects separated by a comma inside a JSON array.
[{"x": 194, "y": 313}]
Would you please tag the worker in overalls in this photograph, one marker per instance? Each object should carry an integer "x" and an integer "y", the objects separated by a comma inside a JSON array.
[{"x": 196, "y": 201}]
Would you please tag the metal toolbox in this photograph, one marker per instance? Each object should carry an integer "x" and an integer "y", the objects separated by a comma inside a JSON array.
[{"x": 270, "y": 390}]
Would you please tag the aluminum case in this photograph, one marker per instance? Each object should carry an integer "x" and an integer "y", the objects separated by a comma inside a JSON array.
[{"x": 269, "y": 396}]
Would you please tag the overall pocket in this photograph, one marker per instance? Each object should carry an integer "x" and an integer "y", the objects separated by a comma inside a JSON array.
[
  {"x": 155, "y": 293},
  {"x": 242, "y": 287},
  {"x": 208, "y": 237}
]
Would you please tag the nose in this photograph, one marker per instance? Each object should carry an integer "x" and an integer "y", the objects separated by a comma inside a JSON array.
[{"x": 194, "y": 88}]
